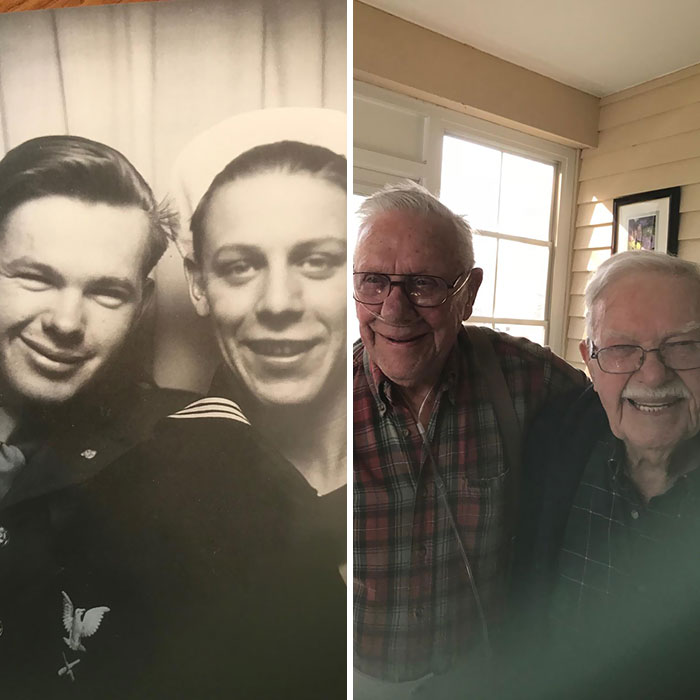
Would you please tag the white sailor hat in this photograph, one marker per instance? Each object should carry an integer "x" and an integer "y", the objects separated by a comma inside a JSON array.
[{"x": 211, "y": 151}]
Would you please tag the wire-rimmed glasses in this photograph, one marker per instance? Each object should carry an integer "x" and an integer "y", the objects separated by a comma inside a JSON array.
[
  {"x": 626, "y": 359},
  {"x": 421, "y": 290}
]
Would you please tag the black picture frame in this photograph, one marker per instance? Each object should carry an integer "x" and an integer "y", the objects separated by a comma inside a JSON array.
[{"x": 647, "y": 221}]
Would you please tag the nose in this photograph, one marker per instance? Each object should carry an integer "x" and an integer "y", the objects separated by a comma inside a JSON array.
[
  {"x": 653, "y": 372},
  {"x": 396, "y": 306},
  {"x": 281, "y": 298},
  {"x": 65, "y": 318}
]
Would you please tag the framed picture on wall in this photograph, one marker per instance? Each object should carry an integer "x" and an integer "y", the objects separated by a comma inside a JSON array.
[{"x": 647, "y": 221}]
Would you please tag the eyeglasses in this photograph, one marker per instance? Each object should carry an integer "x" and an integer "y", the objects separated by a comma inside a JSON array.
[
  {"x": 626, "y": 359},
  {"x": 421, "y": 290}
]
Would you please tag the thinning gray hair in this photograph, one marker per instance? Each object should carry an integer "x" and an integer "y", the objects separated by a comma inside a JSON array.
[
  {"x": 635, "y": 261},
  {"x": 412, "y": 197}
]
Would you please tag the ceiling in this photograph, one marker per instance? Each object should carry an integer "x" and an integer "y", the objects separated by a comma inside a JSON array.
[{"x": 598, "y": 46}]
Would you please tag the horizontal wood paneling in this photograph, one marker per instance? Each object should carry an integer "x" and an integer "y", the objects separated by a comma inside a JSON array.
[
  {"x": 577, "y": 305},
  {"x": 588, "y": 260},
  {"x": 689, "y": 250},
  {"x": 593, "y": 237},
  {"x": 579, "y": 280},
  {"x": 642, "y": 131},
  {"x": 649, "y": 139},
  {"x": 651, "y": 85},
  {"x": 665, "y": 99},
  {"x": 684, "y": 172},
  {"x": 594, "y": 213},
  {"x": 646, "y": 155},
  {"x": 690, "y": 198},
  {"x": 689, "y": 226},
  {"x": 577, "y": 328},
  {"x": 572, "y": 352}
]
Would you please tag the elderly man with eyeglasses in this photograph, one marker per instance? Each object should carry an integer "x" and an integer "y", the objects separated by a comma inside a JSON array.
[
  {"x": 607, "y": 560},
  {"x": 438, "y": 415}
]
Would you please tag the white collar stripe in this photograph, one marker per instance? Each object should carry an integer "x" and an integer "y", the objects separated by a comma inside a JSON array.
[
  {"x": 211, "y": 414},
  {"x": 212, "y": 407},
  {"x": 214, "y": 400}
]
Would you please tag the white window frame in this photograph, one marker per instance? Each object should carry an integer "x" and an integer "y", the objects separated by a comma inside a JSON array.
[{"x": 372, "y": 170}]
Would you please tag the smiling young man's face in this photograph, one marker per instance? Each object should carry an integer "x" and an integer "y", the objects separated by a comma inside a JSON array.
[
  {"x": 72, "y": 287},
  {"x": 653, "y": 408},
  {"x": 272, "y": 277},
  {"x": 410, "y": 344}
]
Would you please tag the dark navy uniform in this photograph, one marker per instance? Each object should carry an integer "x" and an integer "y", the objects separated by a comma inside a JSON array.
[
  {"x": 40, "y": 557},
  {"x": 203, "y": 543}
]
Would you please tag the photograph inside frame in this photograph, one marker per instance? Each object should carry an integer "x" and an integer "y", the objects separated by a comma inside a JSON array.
[{"x": 173, "y": 350}]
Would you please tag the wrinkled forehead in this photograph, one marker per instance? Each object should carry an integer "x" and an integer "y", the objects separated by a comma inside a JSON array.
[
  {"x": 645, "y": 307},
  {"x": 403, "y": 242}
]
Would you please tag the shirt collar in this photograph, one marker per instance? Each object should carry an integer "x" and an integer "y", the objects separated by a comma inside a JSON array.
[{"x": 615, "y": 450}]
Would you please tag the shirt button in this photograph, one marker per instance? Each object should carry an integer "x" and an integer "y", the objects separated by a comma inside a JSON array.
[
  {"x": 634, "y": 514},
  {"x": 406, "y": 432},
  {"x": 418, "y": 612},
  {"x": 4, "y": 536}
]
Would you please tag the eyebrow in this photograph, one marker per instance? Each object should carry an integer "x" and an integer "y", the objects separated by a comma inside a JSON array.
[
  {"x": 309, "y": 246},
  {"x": 687, "y": 328},
  {"x": 238, "y": 249},
  {"x": 299, "y": 248},
  {"x": 25, "y": 261},
  {"x": 109, "y": 281}
]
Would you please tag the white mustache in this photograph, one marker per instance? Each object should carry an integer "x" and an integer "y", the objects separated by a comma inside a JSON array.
[
  {"x": 672, "y": 390},
  {"x": 379, "y": 317}
]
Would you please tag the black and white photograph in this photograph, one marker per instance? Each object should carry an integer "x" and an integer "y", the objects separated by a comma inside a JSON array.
[{"x": 173, "y": 350}]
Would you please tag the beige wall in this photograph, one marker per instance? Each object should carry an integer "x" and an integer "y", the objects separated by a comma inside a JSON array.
[
  {"x": 649, "y": 139},
  {"x": 406, "y": 58}
]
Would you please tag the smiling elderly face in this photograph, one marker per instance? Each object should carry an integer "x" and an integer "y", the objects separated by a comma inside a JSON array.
[
  {"x": 655, "y": 407},
  {"x": 408, "y": 343}
]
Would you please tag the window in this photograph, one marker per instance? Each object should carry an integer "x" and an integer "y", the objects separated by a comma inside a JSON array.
[
  {"x": 508, "y": 198},
  {"x": 516, "y": 190}
]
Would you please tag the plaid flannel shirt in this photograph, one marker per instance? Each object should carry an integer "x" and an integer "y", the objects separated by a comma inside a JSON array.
[
  {"x": 414, "y": 612},
  {"x": 620, "y": 553}
]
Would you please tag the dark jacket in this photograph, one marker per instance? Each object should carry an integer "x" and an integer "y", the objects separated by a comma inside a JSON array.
[
  {"x": 202, "y": 544},
  {"x": 629, "y": 649},
  {"x": 65, "y": 449}
]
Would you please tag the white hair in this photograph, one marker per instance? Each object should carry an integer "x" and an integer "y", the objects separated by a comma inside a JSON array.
[
  {"x": 631, "y": 262},
  {"x": 412, "y": 197}
]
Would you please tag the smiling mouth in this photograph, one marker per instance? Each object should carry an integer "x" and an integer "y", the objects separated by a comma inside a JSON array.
[
  {"x": 403, "y": 341},
  {"x": 656, "y": 406},
  {"x": 61, "y": 358},
  {"x": 280, "y": 348}
]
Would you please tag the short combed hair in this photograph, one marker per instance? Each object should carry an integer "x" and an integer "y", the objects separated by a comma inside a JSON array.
[
  {"x": 412, "y": 197},
  {"x": 631, "y": 262},
  {"x": 85, "y": 170},
  {"x": 281, "y": 156}
]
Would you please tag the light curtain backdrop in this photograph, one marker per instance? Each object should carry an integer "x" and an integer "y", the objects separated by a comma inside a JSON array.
[{"x": 146, "y": 78}]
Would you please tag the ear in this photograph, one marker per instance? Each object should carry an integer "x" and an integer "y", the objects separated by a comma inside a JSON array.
[
  {"x": 195, "y": 282},
  {"x": 584, "y": 348},
  {"x": 475, "y": 278},
  {"x": 585, "y": 351}
]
